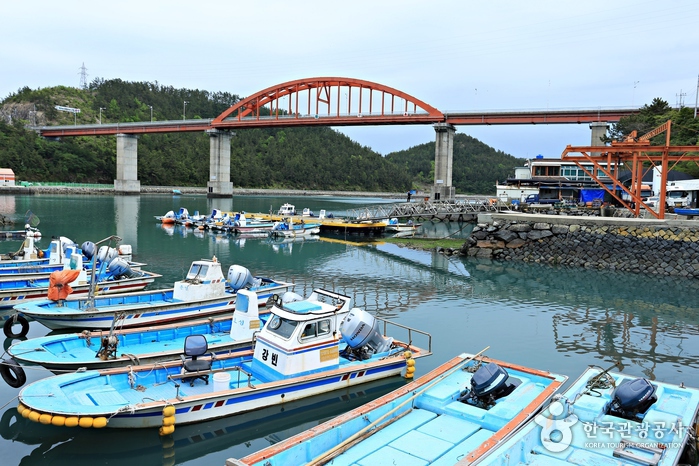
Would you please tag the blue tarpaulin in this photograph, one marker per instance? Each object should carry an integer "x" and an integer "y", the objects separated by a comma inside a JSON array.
[{"x": 590, "y": 195}]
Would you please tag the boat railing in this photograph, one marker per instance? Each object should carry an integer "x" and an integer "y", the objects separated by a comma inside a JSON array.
[
  {"x": 410, "y": 331},
  {"x": 189, "y": 375}
]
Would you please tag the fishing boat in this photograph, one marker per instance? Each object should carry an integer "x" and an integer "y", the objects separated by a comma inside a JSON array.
[
  {"x": 59, "y": 256},
  {"x": 288, "y": 229},
  {"x": 28, "y": 231},
  {"x": 607, "y": 418},
  {"x": 307, "y": 347},
  {"x": 182, "y": 217},
  {"x": 242, "y": 225},
  {"x": 140, "y": 345},
  {"x": 204, "y": 292},
  {"x": 189, "y": 442},
  {"x": 464, "y": 407},
  {"x": 118, "y": 277},
  {"x": 689, "y": 212},
  {"x": 394, "y": 226}
]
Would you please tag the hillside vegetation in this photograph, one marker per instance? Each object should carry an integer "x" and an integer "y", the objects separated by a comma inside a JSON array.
[{"x": 292, "y": 158}]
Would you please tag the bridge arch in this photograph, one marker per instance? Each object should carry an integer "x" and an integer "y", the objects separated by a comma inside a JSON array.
[{"x": 328, "y": 101}]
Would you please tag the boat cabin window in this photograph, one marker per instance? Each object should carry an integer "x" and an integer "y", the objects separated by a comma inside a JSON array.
[
  {"x": 315, "y": 329},
  {"x": 197, "y": 271},
  {"x": 282, "y": 327}
]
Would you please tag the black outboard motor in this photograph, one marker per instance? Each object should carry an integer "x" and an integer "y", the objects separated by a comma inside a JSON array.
[
  {"x": 88, "y": 248},
  {"x": 631, "y": 399},
  {"x": 488, "y": 384}
]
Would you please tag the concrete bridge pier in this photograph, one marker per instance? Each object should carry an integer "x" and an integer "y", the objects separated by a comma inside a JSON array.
[
  {"x": 219, "y": 164},
  {"x": 443, "y": 162},
  {"x": 598, "y": 130},
  {"x": 126, "y": 181}
]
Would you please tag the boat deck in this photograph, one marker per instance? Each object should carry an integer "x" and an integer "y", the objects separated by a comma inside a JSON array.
[
  {"x": 434, "y": 429},
  {"x": 597, "y": 437}
]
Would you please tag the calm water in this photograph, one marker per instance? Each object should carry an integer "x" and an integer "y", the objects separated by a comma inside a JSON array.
[{"x": 549, "y": 318}]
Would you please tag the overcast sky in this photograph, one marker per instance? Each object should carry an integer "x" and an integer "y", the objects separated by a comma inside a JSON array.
[{"x": 456, "y": 55}]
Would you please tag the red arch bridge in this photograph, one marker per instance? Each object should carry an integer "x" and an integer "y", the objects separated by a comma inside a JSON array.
[{"x": 328, "y": 101}]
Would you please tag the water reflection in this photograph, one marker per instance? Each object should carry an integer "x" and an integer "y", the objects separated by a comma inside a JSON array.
[
  {"x": 236, "y": 436},
  {"x": 646, "y": 321},
  {"x": 126, "y": 210}
]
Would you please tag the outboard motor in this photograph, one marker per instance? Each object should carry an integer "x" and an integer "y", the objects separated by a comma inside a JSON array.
[
  {"x": 106, "y": 254},
  {"x": 240, "y": 277},
  {"x": 360, "y": 330},
  {"x": 119, "y": 268},
  {"x": 66, "y": 243},
  {"x": 631, "y": 399},
  {"x": 488, "y": 384},
  {"x": 88, "y": 248}
]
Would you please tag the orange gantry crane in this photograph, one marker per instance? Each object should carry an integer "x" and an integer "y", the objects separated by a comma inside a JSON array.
[{"x": 640, "y": 156}]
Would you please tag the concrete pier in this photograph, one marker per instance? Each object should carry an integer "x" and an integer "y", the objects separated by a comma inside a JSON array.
[
  {"x": 219, "y": 184},
  {"x": 126, "y": 181},
  {"x": 598, "y": 130},
  {"x": 443, "y": 162}
]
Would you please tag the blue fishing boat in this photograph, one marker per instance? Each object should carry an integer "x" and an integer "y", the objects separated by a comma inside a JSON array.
[
  {"x": 607, "y": 418},
  {"x": 204, "y": 292},
  {"x": 464, "y": 407},
  {"x": 242, "y": 225},
  {"x": 141, "y": 345},
  {"x": 121, "y": 279},
  {"x": 307, "y": 347},
  {"x": 288, "y": 229},
  {"x": 187, "y": 442},
  {"x": 689, "y": 212}
]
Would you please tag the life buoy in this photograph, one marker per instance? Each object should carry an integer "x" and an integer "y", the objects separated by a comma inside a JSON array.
[
  {"x": 9, "y": 323},
  {"x": 12, "y": 373}
]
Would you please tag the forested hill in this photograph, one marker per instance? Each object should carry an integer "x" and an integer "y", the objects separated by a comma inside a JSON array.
[
  {"x": 476, "y": 166},
  {"x": 293, "y": 158}
]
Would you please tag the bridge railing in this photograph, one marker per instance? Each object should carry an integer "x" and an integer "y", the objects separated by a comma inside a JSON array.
[{"x": 427, "y": 209}]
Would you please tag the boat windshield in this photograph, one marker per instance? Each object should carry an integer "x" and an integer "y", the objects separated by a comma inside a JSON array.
[
  {"x": 282, "y": 327},
  {"x": 197, "y": 271}
]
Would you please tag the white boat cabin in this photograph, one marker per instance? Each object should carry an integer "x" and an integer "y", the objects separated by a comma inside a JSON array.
[
  {"x": 301, "y": 337},
  {"x": 204, "y": 280},
  {"x": 287, "y": 209}
]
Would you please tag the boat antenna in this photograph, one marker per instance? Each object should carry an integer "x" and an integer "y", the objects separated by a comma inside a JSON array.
[{"x": 90, "y": 304}]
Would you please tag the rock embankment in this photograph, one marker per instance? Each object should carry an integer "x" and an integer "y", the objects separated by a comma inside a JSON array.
[{"x": 653, "y": 247}]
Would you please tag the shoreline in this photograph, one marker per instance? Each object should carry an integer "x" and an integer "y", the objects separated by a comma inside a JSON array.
[{"x": 109, "y": 191}]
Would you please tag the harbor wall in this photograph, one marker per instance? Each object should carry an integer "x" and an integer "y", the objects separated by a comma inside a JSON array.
[{"x": 659, "y": 247}]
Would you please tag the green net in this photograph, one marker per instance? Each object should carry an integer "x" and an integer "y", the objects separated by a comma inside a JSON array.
[{"x": 31, "y": 219}]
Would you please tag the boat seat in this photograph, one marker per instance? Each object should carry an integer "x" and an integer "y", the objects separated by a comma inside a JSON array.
[{"x": 194, "y": 347}]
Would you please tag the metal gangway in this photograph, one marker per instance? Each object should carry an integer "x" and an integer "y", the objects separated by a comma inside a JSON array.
[{"x": 449, "y": 209}]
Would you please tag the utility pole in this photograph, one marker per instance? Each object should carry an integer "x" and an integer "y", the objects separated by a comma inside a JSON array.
[{"x": 696, "y": 99}]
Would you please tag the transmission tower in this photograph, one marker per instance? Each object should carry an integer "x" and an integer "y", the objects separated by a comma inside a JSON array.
[
  {"x": 83, "y": 77},
  {"x": 680, "y": 99}
]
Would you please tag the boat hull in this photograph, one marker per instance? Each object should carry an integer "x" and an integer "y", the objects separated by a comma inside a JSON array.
[
  {"x": 19, "y": 296},
  {"x": 136, "y": 310},
  {"x": 135, "y": 346},
  {"x": 108, "y": 394}
]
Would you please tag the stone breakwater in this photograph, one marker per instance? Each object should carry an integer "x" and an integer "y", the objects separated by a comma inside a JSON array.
[{"x": 641, "y": 246}]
